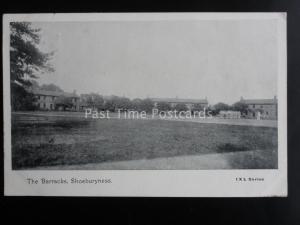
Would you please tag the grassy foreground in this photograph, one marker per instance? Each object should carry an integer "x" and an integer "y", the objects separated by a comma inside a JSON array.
[{"x": 78, "y": 141}]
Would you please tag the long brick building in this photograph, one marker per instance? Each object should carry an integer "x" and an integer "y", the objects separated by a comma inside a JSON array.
[
  {"x": 190, "y": 103},
  {"x": 47, "y": 100},
  {"x": 266, "y": 108}
]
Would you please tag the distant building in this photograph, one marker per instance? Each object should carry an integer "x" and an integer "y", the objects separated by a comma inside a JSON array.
[
  {"x": 190, "y": 103},
  {"x": 46, "y": 100},
  {"x": 261, "y": 108}
]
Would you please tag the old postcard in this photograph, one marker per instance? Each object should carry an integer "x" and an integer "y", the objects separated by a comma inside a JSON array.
[{"x": 145, "y": 104}]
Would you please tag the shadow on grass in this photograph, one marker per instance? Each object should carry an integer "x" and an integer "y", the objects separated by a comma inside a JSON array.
[
  {"x": 262, "y": 159},
  {"x": 228, "y": 147}
]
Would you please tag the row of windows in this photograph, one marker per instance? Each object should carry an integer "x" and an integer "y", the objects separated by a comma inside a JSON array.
[
  {"x": 44, "y": 106},
  {"x": 253, "y": 113},
  {"x": 51, "y": 106},
  {"x": 43, "y": 97},
  {"x": 260, "y": 106}
]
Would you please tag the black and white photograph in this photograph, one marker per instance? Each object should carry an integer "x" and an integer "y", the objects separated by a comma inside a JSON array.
[{"x": 148, "y": 92}]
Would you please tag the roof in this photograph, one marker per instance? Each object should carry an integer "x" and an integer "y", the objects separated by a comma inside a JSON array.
[
  {"x": 53, "y": 93},
  {"x": 109, "y": 97},
  {"x": 180, "y": 100},
  {"x": 260, "y": 101}
]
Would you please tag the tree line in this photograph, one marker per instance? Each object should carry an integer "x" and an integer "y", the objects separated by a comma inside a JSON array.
[{"x": 115, "y": 103}]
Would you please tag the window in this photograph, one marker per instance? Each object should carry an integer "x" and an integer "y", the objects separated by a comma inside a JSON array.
[
  {"x": 44, "y": 105},
  {"x": 253, "y": 106}
]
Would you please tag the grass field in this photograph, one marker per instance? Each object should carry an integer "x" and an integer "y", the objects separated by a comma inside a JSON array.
[{"x": 72, "y": 141}]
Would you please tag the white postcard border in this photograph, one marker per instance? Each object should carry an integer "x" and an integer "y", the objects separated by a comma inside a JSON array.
[{"x": 202, "y": 183}]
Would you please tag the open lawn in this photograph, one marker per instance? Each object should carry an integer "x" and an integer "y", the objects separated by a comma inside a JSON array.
[{"x": 39, "y": 141}]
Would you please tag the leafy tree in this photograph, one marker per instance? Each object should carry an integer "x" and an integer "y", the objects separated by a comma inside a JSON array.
[
  {"x": 51, "y": 87},
  {"x": 136, "y": 104},
  {"x": 146, "y": 105},
  {"x": 163, "y": 106},
  {"x": 180, "y": 107},
  {"x": 122, "y": 103},
  {"x": 221, "y": 106},
  {"x": 111, "y": 103},
  {"x": 26, "y": 62},
  {"x": 98, "y": 102},
  {"x": 35, "y": 85},
  {"x": 240, "y": 106},
  {"x": 209, "y": 110}
]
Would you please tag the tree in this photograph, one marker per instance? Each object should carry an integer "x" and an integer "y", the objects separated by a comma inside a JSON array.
[
  {"x": 163, "y": 106},
  {"x": 220, "y": 106},
  {"x": 35, "y": 85},
  {"x": 26, "y": 62},
  {"x": 51, "y": 87},
  {"x": 180, "y": 107},
  {"x": 146, "y": 105},
  {"x": 240, "y": 106},
  {"x": 111, "y": 103},
  {"x": 136, "y": 104},
  {"x": 98, "y": 102},
  {"x": 122, "y": 103}
]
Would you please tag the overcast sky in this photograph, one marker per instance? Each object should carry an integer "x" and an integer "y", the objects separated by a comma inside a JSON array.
[{"x": 220, "y": 60}]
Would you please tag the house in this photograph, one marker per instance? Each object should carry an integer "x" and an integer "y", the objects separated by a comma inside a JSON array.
[
  {"x": 48, "y": 100},
  {"x": 261, "y": 108},
  {"x": 190, "y": 103}
]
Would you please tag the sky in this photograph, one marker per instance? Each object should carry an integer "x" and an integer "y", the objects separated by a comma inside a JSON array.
[{"x": 220, "y": 60}]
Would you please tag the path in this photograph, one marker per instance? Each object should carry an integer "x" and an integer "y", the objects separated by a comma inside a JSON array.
[{"x": 191, "y": 162}]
